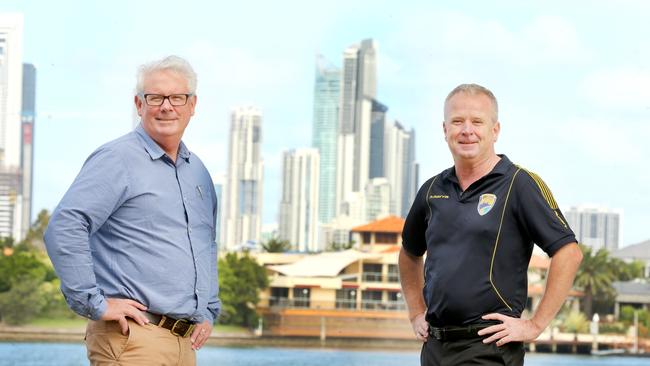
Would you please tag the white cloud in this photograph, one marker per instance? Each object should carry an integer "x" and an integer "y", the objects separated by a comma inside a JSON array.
[
  {"x": 622, "y": 87},
  {"x": 240, "y": 68},
  {"x": 615, "y": 143},
  {"x": 542, "y": 40}
]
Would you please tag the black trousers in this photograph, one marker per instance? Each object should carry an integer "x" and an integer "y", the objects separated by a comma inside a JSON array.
[{"x": 470, "y": 352}]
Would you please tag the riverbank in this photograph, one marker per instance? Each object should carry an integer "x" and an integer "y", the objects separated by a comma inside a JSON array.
[
  {"x": 228, "y": 337},
  {"x": 224, "y": 336}
]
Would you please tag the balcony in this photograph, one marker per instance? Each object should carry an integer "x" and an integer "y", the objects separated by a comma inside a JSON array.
[
  {"x": 371, "y": 277},
  {"x": 339, "y": 304}
]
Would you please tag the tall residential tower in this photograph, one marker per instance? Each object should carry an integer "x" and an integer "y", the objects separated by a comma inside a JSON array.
[
  {"x": 242, "y": 208},
  {"x": 298, "y": 221},
  {"x": 358, "y": 91},
  {"x": 325, "y": 133},
  {"x": 11, "y": 83}
]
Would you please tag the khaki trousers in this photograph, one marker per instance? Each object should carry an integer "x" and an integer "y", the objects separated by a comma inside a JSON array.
[{"x": 144, "y": 345}]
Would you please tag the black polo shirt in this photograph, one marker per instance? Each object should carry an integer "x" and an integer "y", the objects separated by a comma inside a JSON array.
[{"x": 479, "y": 242}]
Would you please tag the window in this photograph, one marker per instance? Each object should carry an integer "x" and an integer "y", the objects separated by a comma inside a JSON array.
[
  {"x": 346, "y": 298},
  {"x": 279, "y": 296},
  {"x": 371, "y": 299},
  {"x": 301, "y": 297},
  {"x": 393, "y": 273},
  {"x": 372, "y": 272}
]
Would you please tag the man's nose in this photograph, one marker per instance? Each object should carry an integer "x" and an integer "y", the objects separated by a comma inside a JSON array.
[
  {"x": 467, "y": 127},
  {"x": 166, "y": 105}
]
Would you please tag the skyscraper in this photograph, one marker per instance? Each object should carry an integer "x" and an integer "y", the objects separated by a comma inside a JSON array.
[
  {"x": 377, "y": 199},
  {"x": 298, "y": 221},
  {"x": 377, "y": 139},
  {"x": 325, "y": 132},
  {"x": 400, "y": 167},
  {"x": 358, "y": 90},
  {"x": 219, "y": 187},
  {"x": 11, "y": 79},
  {"x": 597, "y": 227},
  {"x": 242, "y": 208},
  {"x": 27, "y": 156}
]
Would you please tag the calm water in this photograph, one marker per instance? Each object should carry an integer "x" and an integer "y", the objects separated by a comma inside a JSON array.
[{"x": 55, "y": 354}]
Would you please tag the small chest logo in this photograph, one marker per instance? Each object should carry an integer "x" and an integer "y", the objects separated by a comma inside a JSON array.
[{"x": 485, "y": 203}]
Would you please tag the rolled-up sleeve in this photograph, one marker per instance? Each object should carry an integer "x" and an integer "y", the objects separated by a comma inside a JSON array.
[{"x": 96, "y": 192}]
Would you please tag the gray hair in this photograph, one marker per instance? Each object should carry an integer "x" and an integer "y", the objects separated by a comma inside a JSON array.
[
  {"x": 172, "y": 63},
  {"x": 475, "y": 89}
]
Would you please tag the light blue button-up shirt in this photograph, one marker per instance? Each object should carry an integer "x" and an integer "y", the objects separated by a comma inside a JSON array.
[{"x": 136, "y": 225}]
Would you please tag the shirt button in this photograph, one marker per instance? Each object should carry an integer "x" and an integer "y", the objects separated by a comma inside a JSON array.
[{"x": 190, "y": 230}]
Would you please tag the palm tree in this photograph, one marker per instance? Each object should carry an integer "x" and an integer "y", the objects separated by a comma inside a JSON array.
[
  {"x": 275, "y": 245},
  {"x": 595, "y": 276}
]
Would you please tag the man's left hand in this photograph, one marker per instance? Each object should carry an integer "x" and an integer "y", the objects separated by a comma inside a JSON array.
[
  {"x": 200, "y": 334},
  {"x": 510, "y": 330}
]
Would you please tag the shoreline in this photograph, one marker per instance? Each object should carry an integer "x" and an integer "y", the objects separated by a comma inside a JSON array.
[
  {"x": 63, "y": 335},
  {"x": 250, "y": 340}
]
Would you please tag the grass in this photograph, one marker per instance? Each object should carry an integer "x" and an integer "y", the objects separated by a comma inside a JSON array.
[{"x": 65, "y": 323}]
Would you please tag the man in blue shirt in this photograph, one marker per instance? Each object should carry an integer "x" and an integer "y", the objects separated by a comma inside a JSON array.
[{"x": 133, "y": 239}]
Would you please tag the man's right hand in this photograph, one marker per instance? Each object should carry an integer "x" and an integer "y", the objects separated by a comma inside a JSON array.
[
  {"x": 120, "y": 309},
  {"x": 420, "y": 327}
]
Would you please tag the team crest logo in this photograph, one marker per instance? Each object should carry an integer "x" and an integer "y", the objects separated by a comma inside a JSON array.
[{"x": 485, "y": 203}]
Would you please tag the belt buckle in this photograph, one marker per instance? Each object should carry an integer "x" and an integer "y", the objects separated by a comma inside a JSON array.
[
  {"x": 438, "y": 333},
  {"x": 190, "y": 327}
]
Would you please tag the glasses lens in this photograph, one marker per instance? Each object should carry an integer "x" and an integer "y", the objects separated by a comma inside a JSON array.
[
  {"x": 154, "y": 99},
  {"x": 178, "y": 99}
]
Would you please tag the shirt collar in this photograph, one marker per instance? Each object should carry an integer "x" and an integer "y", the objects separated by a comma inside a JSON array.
[
  {"x": 500, "y": 168},
  {"x": 154, "y": 150}
]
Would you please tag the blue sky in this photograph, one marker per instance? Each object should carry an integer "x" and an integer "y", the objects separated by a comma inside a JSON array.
[{"x": 571, "y": 78}]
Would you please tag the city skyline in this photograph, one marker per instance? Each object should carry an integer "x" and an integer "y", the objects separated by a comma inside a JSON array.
[
  {"x": 17, "y": 115},
  {"x": 571, "y": 92}
]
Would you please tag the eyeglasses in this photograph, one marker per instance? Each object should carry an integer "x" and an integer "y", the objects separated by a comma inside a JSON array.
[{"x": 158, "y": 99}]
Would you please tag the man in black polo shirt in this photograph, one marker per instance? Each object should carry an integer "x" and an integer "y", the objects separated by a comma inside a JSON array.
[{"x": 477, "y": 222}]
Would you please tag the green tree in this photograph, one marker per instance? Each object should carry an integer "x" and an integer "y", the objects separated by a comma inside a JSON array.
[
  {"x": 34, "y": 237},
  {"x": 594, "y": 277},
  {"x": 21, "y": 265},
  {"x": 275, "y": 245},
  {"x": 575, "y": 322},
  {"x": 23, "y": 302},
  {"x": 241, "y": 279},
  {"x": 336, "y": 247},
  {"x": 54, "y": 305},
  {"x": 6, "y": 242},
  {"x": 626, "y": 271}
]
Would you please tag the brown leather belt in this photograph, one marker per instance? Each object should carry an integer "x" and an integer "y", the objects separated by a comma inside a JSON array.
[
  {"x": 178, "y": 327},
  {"x": 447, "y": 334}
]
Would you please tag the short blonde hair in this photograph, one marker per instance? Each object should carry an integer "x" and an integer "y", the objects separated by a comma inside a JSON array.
[{"x": 475, "y": 89}]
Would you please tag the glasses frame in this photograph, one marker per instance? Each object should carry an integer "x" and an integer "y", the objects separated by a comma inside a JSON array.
[{"x": 168, "y": 97}]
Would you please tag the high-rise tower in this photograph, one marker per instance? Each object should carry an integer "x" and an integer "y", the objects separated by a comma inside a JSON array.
[
  {"x": 11, "y": 82},
  {"x": 298, "y": 221},
  {"x": 325, "y": 133},
  {"x": 242, "y": 208},
  {"x": 358, "y": 91}
]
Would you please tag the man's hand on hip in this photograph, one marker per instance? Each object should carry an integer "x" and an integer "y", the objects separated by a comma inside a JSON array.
[
  {"x": 510, "y": 330},
  {"x": 120, "y": 309},
  {"x": 420, "y": 327},
  {"x": 200, "y": 334}
]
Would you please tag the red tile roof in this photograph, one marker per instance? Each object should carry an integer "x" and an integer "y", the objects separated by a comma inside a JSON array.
[{"x": 390, "y": 224}]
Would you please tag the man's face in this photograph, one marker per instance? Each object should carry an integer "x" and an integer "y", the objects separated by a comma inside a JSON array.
[
  {"x": 470, "y": 127},
  {"x": 165, "y": 121}
]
